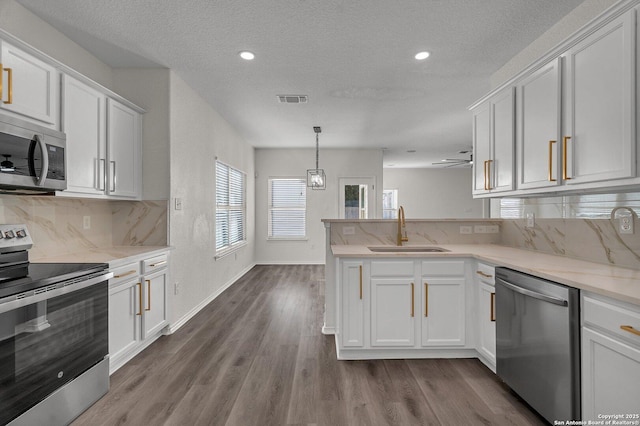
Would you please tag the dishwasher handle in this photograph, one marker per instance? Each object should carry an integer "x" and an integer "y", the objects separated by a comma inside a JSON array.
[{"x": 534, "y": 294}]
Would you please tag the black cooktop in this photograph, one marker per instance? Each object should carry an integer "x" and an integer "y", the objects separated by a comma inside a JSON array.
[{"x": 30, "y": 276}]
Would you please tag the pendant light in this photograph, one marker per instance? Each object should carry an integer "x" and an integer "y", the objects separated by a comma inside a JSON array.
[{"x": 316, "y": 178}]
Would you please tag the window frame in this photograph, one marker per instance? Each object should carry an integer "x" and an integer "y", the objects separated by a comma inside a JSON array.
[
  {"x": 303, "y": 185},
  {"x": 229, "y": 208}
]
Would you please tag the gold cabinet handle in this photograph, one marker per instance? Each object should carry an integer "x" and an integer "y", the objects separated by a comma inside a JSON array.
[
  {"x": 412, "y": 300},
  {"x": 139, "y": 298},
  {"x": 153, "y": 265},
  {"x": 492, "y": 314},
  {"x": 630, "y": 329},
  {"x": 565, "y": 140},
  {"x": 360, "y": 282},
  {"x": 551, "y": 178},
  {"x": 489, "y": 175},
  {"x": 426, "y": 299},
  {"x": 148, "y": 294},
  {"x": 133, "y": 271},
  {"x": 485, "y": 176},
  {"x": 484, "y": 275},
  {"x": 10, "y": 83}
]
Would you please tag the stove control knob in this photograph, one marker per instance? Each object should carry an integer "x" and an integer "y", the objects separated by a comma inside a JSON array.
[
  {"x": 9, "y": 234},
  {"x": 20, "y": 233}
]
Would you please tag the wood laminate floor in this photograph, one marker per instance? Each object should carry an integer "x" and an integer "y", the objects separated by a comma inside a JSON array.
[{"x": 256, "y": 356}]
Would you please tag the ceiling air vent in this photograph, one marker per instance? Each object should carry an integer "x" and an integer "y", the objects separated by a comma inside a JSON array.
[{"x": 293, "y": 99}]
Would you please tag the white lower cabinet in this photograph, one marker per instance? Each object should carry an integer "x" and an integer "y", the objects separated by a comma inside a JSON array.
[
  {"x": 610, "y": 358},
  {"x": 138, "y": 310},
  {"x": 352, "y": 312},
  {"x": 486, "y": 314},
  {"x": 402, "y": 308},
  {"x": 443, "y": 303},
  {"x": 392, "y": 312}
]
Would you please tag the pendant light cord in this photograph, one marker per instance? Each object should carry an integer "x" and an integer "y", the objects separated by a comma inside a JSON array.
[{"x": 317, "y": 151}]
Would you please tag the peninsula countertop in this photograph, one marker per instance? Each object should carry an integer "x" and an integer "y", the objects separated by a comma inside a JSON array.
[{"x": 613, "y": 281}]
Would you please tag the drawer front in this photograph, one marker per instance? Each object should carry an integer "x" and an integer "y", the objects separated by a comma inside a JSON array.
[
  {"x": 443, "y": 268},
  {"x": 154, "y": 263},
  {"x": 618, "y": 320},
  {"x": 125, "y": 273},
  {"x": 485, "y": 273},
  {"x": 392, "y": 268}
]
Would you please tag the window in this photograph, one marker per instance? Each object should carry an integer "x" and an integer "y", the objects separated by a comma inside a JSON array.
[
  {"x": 390, "y": 204},
  {"x": 287, "y": 208},
  {"x": 230, "y": 206}
]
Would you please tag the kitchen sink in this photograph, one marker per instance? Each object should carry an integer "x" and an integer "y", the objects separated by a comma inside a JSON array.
[{"x": 407, "y": 249}]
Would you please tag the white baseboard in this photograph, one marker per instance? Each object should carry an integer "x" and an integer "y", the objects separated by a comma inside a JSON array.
[
  {"x": 182, "y": 321},
  {"x": 328, "y": 330}
]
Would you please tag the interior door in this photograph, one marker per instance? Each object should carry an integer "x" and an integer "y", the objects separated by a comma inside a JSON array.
[{"x": 357, "y": 198}]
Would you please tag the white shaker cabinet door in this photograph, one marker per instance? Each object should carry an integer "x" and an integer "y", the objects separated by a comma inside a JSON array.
[
  {"x": 610, "y": 376},
  {"x": 353, "y": 294},
  {"x": 154, "y": 304},
  {"x": 443, "y": 315},
  {"x": 599, "y": 107},
  {"x": 538, "y": 129},
  {"x": 123, "y": 142},
  {"x": 125, "y": 312},
  {"x": 84, "y": 114},
  {"x": 393, "y": 311},
  {"x": 501, "y": 171},
  {"x": 30, "y": 86}
]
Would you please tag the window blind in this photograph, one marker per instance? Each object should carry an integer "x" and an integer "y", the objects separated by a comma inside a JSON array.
[
  {"x": 287, "y": 208},
  {"x": 230, "y": 206}
]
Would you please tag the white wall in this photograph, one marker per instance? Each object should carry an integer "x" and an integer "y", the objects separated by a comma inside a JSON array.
[
  {"x": 149, "y": 88},
  {"x": 26, "y": 26},
  {"x": 198, "y": 134},
  {"x": 566, "y": 26},
  {"x": 320, "y": 204},
  {"x": 434, "y": 193}
]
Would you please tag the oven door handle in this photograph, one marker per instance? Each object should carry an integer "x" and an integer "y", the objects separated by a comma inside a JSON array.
[
  {"x": 534, "y": 294},
  {"x": 10, "y": 303}
]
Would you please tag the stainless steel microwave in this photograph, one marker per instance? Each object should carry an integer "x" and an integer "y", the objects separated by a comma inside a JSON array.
[{"x": 32, "y": 158}]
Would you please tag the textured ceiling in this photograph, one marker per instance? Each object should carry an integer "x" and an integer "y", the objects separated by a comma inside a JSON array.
[{"x": 354, "y": 59}]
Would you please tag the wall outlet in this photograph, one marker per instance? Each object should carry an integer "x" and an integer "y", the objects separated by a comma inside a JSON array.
[
  {"x": 176, "y": 288},
  {"x": 493, "y": 229},
  {"x": 531, "y": 220},
  {"x": 178, "y": 203},
  {"x": 480, "y": 229},
  {"x": 348, "y": 230},
  {"x": 625, "y": 224},
  {"x": 86, "y": 222},
  {"x": 466, "y": 230}
]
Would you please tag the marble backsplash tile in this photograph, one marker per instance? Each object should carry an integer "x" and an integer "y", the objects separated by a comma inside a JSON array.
[
  {"x": 595, "y": 240},
  {"x": 56, "y": 223},
  {"x": 420, "y": 232},
  {"x": 141, "y": 223}
]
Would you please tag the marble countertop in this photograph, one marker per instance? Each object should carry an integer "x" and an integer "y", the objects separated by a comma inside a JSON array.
[
  {"x": 114, "y": 256},
  {"x": 616, "y": 282}
]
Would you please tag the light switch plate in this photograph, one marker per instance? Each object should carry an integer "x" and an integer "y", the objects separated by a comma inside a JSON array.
[
  {"x": 466, "y": 230},
  {"x": 178, "y": 203},
  {"x": 493, "y": 229},
  {"x": 480, "y": 229}
]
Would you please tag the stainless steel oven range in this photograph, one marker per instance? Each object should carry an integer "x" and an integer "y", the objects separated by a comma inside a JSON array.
[{"x": 53, "y": 335}]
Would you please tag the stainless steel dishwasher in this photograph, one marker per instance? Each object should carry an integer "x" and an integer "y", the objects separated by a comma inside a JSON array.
[{"x": 538, "y": 343}]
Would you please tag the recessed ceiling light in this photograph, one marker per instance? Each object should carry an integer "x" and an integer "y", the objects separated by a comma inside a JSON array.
[
  {"x": 422, "y": 55},
  {"x": 411, "y": 151},
  {"x": 246, "y": 55}
]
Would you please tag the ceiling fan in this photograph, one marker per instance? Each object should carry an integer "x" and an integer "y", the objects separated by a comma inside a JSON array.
[{"x": 457, "y": 162}]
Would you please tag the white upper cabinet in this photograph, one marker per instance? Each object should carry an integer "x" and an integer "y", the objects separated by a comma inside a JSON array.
[
  {"x": 599, "y": 107},
  {"x": 539, "y": 127},
  {"x": 84, "y": 121},
  {"x": 493, "y": 142},
  {"x": 30, "y": 87},
  {"x": 123, "y": 150}
]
